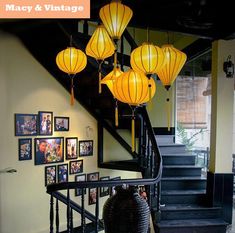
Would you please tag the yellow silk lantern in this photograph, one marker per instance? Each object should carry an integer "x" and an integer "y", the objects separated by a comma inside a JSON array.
[
  {"x": 100, "y": 46},
  {"x": 147, "y": 58},
  {"x": 71, "y": 61},
  {"x": 175, "y": 59},
  {"x": 133, "y": 88},
  {"x": 115, "y": 17},
  {"x": 109, "y": 79}
]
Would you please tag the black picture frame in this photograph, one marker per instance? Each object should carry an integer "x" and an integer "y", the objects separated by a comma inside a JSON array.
[
  {"x": 61, "y": 123},
  {"x": 48, "y": 150},
  {"x": 76, "y": 167},
  {"x": 93, "y": 192},
  {"x": 85, "y": 148},
  {"x": 45, "y": 123},
  {"x": 81, "y": 177},
  {"x": 26, "y": 124},
  {"x": 50, "y": 175},
  {"x": 62, "y": 173},
  {"x": 25, "y": 149},
  {"x": 71, "y": 148},
  {"x": 104, "y": 191}
]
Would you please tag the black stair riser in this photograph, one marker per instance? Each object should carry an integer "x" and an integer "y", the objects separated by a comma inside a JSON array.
[
  {"x": 183, "y": 184},
  {"x": 172, "y": 149},
  {"x": 178, "y": 160},
  {"x": 183, "y": 199},
  {"x": 206, "y": 229},
  {"x": 190, "y": 214},
  {"x": 172, "y": 172}
]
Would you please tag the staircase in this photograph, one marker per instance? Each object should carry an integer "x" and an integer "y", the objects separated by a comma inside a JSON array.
[{"x": 184, "y": 207}]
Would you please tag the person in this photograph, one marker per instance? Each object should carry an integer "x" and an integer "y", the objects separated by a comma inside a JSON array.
[
  {"x": 43, "y": 125},
  {"x": 48, "y": 125},
  {"x": 40, "y": 154}
]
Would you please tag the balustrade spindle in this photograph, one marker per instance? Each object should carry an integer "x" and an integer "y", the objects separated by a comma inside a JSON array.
[
  {"x": 57, "y": 219},
  {"x": 83, "y": 220},
  {"x": 68, "y": 212},
  {"x": 97, "y": 212},
  {"x": 51, "y": 214},
  {"x": 71, "y": 220}
]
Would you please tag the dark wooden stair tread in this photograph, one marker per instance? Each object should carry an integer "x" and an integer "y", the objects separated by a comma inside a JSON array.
[
  {"x": 192, "y": 223},
  {"x": 187, "y": 207},
  {"x": 185, "y": 178},
  {"x": 181, "y": 166},
  {"x": 184, "y": 192}
]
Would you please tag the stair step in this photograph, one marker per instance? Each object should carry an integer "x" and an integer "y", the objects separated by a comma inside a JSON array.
[
  {"x": 192, "y": 226},
  {"x": 90, "y": 228},
  {"x": 172, "y": 148},
  {"x": 189, "y": 211},
  {"x": 183, "y": 197},
  {"x": 165, "y": 139},
  {"x": 178, "y": 159},
  {"x": 125, "y": 165},
  {"x": 181, "y": 170},
  {"x": 183, "y": 183}
]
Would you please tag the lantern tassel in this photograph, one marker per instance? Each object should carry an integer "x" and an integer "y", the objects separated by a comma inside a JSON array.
[
  {"x": 168, "y": 111},
  {"x": 72, "y": 94},
  {"x": 116, "y": 114},
  {"x": 100, "y": 77},
  {"x": 133, "y": 132}
]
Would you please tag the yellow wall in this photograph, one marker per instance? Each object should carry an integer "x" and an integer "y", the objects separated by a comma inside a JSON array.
[{"x": 26, "y": 87}]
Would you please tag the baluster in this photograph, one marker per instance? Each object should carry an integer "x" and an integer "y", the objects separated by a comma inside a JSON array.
[
  {"x": 68, "y": 212},
  {"x": 51, "y": 214},
  {"x": 83, "y": 220},
  {"x": 57, "y": 220},
  {"x": 158, "y": 201},
  {"x": 97, "y": 212},
  {"x": 71, "y": 220}
]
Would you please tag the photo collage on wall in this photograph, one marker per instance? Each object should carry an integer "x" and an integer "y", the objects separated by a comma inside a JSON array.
[{"x": 37, "y": 141}]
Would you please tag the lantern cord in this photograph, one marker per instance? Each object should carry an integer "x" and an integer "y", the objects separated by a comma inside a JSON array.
[
  {"x": 147, "y": 34},
  {"x": 133, "y": 131},
  {"x": 115, "y": 58},
  {"x": 100, "y": 77},
  {"x": 150, "y": 97},
  {"x": 116, "y": 113},
  {"x": 168, "y": 111},
  {"x": 71, "y": 41},
  {"x": 72, "y": 92}
]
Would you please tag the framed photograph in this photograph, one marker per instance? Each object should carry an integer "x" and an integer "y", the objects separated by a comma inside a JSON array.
[
  {"x": 25, "y": 124},
  {"x": 49, "y": 150},
  {"x": 104, "y": 191},
  {"x": 25, "y": 149},
  {"x": 71, "y": 148},
  {"x": 78, "y": 178},
  {"x": 45, "y": 123},
  {"x": 63, "y": 173},
  {"x": 86, "y": 148},
  {"x": 50, "y": 175},
  {"x": 93, "y": 192},
  {"x": 75, "y": 166},
  {"x": 112, "y": 189},
  {"x": 61, "y": 123}
]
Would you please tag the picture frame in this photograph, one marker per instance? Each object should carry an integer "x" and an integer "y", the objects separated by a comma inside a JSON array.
[
  {"x": 25, "y": 149},
  {"x": 71, "y": 148},
  {"x": 75, "y": 167},
  {"x": 61, "y": 123},
  {"x": 104, "y": 191},
  {"x": 50, "y": 175},
  {"x": 85, "y": 148},
  {"x": 93, "y": 192},
  {"x": 26, "y": 124},
  {"x": 112, "y": 189},
  {"x": 48, "y": 150},
  {"x": 45, "y": 123},
  {"x": 78, "y": 178},
  {"x": 63, "y": 174}
]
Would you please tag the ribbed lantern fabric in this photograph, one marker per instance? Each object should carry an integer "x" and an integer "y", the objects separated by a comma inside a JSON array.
[
  {"x": 133, "y": 88},
  {"x": 100, "y": 46},
  {"x": 147, "y": 58},
  {"x": 115, "y": 17},
  {"x": 71, "y": 60},
  {"x": 111, "y": 77},
  {"x": 175, "y": 59}
]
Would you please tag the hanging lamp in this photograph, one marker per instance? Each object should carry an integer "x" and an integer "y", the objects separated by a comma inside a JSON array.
[
  {"x": 100, "y": 47},
  {"x": 71, "y": 61},
  {"x": 175, "y": 59},
  {"x": 109, "y": 80},
  {"x": 132, "y": 88}
]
